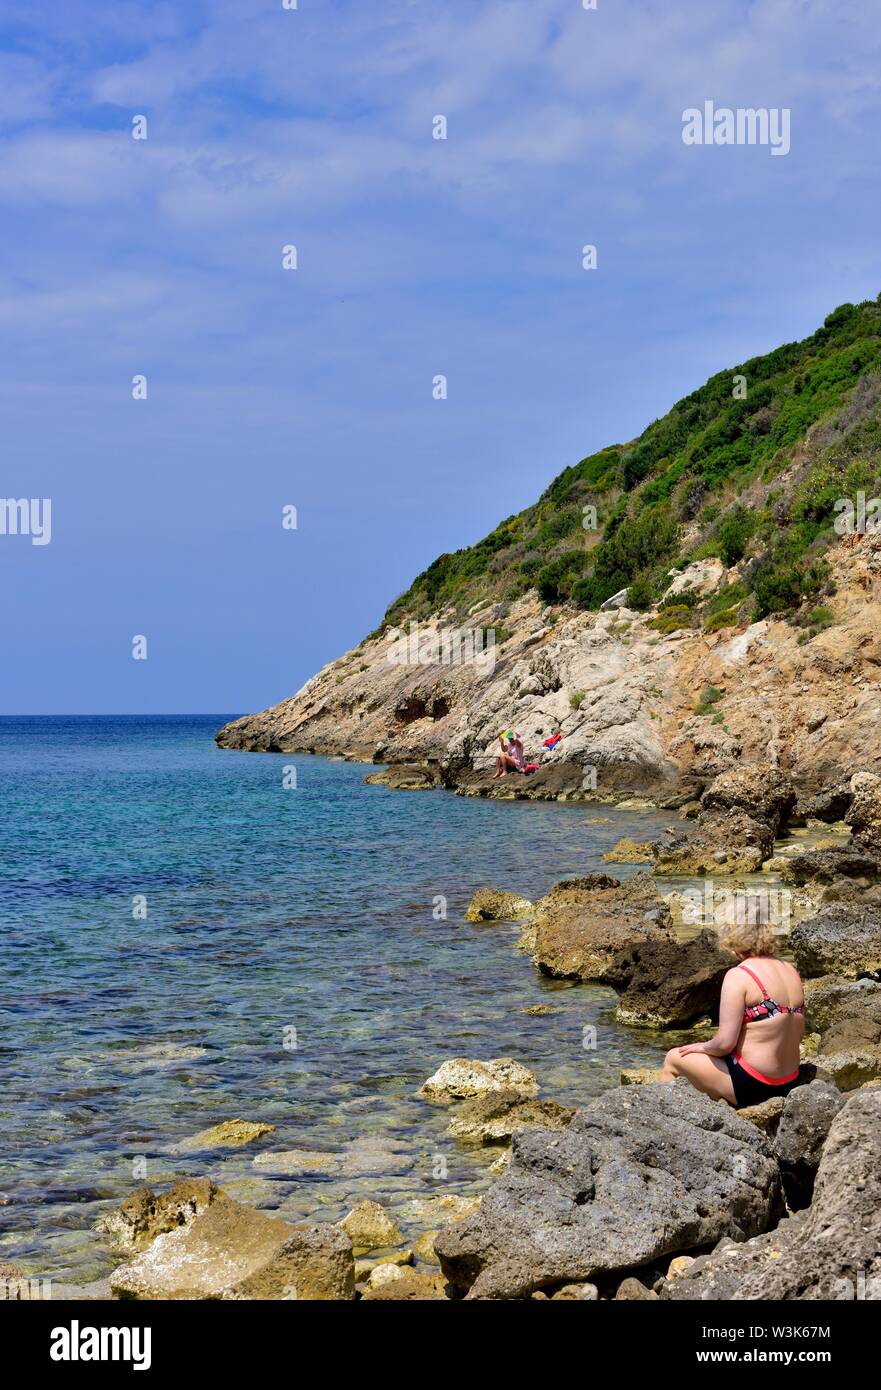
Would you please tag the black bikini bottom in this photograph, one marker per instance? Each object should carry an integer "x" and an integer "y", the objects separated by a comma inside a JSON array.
[{"x": 748, "y": 1090}]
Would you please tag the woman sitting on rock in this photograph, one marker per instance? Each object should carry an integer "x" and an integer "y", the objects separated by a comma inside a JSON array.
[
  {"x": 510, "y": 759},
  {"x": 755, "y": 1053}
]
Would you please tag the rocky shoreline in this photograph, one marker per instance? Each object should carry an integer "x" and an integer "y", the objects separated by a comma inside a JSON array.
[
  {"x": 650, "y": 1191},
  {"x": 649, "y": 716}
]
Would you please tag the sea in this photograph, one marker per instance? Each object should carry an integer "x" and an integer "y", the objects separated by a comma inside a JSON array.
[{"x": 190, "y": 935}]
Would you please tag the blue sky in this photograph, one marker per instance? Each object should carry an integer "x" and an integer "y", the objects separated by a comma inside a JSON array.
[{"x": 416, "y": 257}]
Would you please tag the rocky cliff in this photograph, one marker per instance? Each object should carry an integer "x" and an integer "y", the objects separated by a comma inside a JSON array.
[{"x": 706, "y": 595}]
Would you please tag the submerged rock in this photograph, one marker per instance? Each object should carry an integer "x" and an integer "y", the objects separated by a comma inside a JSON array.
[
  {"x": 842, "y": 939},
  {"x": 639, "y": 1076},
  {"x": 583, "y": 925},
  {"x": 462, "y": 1079},
  {"x": 669, "y": 984},
  {"x": 405, "y": 777},
  {"x": 642, "y": 1172},
  {"x": 231, "y": 1252},
  {"x": 832, "y": 1250},
  {"x": 230, "y": 1134},
  {"x": 497, "y": 905},
  {"x": 372, "y": 1154}
]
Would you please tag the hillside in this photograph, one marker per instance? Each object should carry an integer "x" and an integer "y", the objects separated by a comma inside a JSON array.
[
  {"x": 741, "y": 624},
  {"x": 702, "y": 481}
]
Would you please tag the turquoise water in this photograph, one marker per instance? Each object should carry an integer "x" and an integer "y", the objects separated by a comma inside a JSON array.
[{"x": 269, "y": 910}]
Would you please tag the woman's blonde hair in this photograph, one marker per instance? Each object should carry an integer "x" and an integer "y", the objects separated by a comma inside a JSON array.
[{"x": 745, "y": 938}]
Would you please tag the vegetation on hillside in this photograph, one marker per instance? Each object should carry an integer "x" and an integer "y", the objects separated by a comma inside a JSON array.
[{"x": 748, "y": 468}]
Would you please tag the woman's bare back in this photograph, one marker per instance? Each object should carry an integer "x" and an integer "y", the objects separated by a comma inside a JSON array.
[{"x": 772, "y": 1045}]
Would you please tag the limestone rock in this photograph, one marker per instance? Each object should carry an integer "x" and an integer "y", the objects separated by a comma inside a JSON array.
[
  {"x": 407, "y": 1287},
  {"x": 369, "y": 1227},
  {"x": 864, "y": 815},
  {"x": 632, "y": 1289},
  {"x": 583, "y": 925},
  {"x": 145, "y": 1215},
  {"x": 831, "y": 1250},
  {"x": 827, "y": 865},
  {"x": 230, "y": 1134},
  {"x": 630, "y": 852},
  {"x": 463, "y": 1079},
  {"x": 493, "y": 1118},
  {"x": 808, "y": 1113},
  {"x": 639, "y": 1076},
  {"x": 850, "y": 1070},
  {"x": 641, "y": 1173},
  {"x": 423, "y": 1247},
  {"x": 232, "y": 1252},
  {"x": 760, "y": 791},
  {"x": 365, "y": 1267},
  {"x": 724, "y": 842},
  {"x": 830, "y": 999},
  {"x": 766, "y": 1115},
  {"x": 842, "y": 939}
]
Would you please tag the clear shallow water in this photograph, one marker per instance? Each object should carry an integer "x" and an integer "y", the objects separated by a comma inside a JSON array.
[{"x": 268, "y": 909}]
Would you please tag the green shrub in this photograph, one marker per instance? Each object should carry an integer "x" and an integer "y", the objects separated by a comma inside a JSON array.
[
  {"x": 576, "y": 699},
  {"x": 727, "y": 617},
  {"x": 640, "y": 594},
  {"x": 734, "y": 532},
  {"x": 673, "y": 618},
  {"x": 708, "y": 698}
]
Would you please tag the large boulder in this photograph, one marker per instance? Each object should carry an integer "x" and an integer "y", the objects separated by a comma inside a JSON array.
[
  {"x": 463, "y": 1079},
  {"x": 841, "y": 939},
  {"x": 829, "y": 805},
  {"x": 762, "y": 792},
  {"x": 832, "y": 1250},
  {"x": 497, "y": 905},
  {"x": 583, "y": 925},
  {"x": 864, "y": 815},
  {"x": 642, "y": 1172},
  {"x": 808, "y": 1112},
  {"x": 669, "y": 984},
  {"x": 724, "y": 842},
  {"x": 230, "y": 1251},
  {"x": 850, "y": 860}
]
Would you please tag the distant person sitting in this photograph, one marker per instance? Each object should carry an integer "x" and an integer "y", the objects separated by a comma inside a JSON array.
[{"x": 510, "y": 758}]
